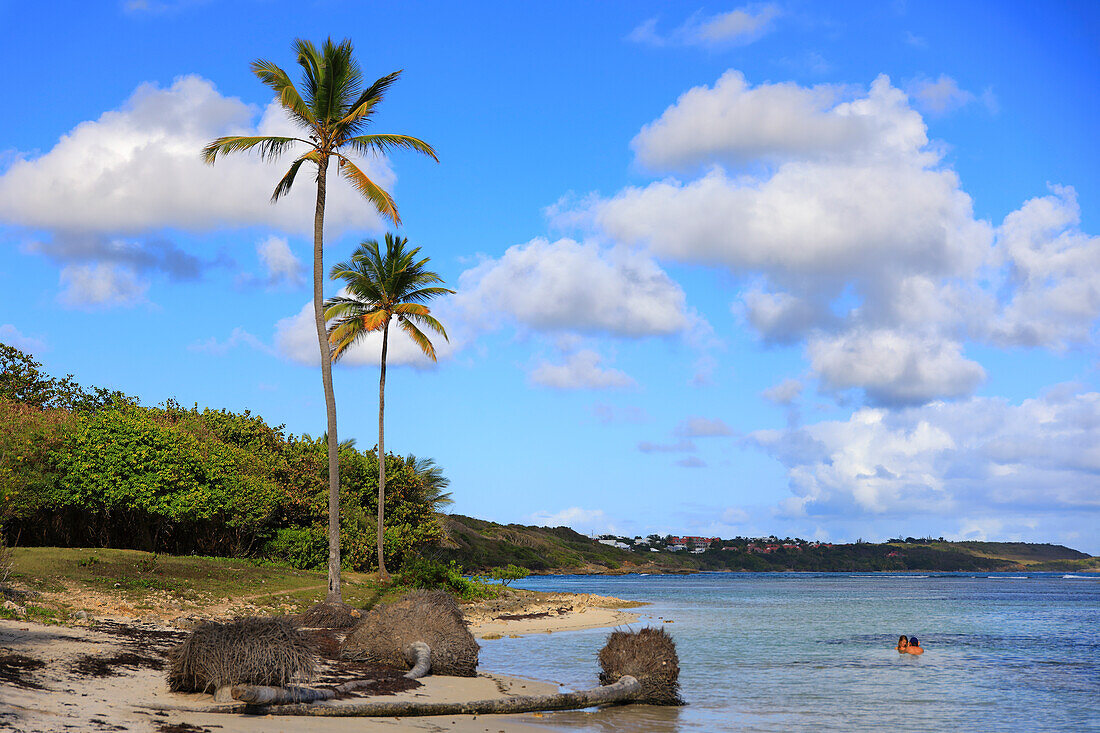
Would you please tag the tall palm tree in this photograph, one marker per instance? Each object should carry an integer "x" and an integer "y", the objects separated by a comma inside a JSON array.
[
  {"x": 332, "y": 109},
  {"x": 379, "y": 287}
]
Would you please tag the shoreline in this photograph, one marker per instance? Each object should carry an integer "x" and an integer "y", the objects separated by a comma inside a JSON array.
[{"x": 109, "y": 667}]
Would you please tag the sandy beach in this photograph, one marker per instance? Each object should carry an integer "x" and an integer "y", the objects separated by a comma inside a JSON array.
[{"x": 107, "y": 674}]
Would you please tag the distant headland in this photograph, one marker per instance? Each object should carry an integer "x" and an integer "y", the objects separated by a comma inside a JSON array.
[{"x": 476, "y": 543}]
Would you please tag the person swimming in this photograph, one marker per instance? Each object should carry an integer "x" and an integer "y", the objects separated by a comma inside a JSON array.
[
  {"x": 914, "y": 646},
  {"x": 903, "y": 644}
]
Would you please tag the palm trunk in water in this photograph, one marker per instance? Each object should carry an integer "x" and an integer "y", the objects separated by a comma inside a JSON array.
[
  {"x": 382, "y": 574},
  {"x": 330, "y": 397}
]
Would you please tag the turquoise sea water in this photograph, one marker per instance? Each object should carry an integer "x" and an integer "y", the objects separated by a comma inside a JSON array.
[{"x": 815, "y": 651}]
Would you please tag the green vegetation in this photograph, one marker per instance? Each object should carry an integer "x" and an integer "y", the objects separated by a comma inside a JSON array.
[
  {"x": 332, "y": 109},
  {"x": 208, "y": 482},
  {"x": 379, "y": 287},
  {"x": 426, "y": 574},
  {"x": 508, "y": 574}
]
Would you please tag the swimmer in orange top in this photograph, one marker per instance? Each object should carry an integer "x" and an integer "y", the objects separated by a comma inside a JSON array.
[
  {"x": 914, "y": 646},
  {"x": 903, "y": 644}
]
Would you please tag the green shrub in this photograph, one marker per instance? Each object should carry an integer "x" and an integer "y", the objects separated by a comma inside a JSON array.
[
  {"x": 299, "y": 547},
  {"x": 509, "y": 573},
  {"x": 422, "y": 573}
]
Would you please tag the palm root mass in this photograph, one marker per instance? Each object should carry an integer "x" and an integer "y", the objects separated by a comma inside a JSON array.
[
  {"x": 649, "y": 655},
  {"x": 254, "y": 651}
]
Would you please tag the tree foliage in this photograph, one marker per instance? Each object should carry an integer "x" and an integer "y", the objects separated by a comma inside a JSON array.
[{"x": 187, "y": 480}]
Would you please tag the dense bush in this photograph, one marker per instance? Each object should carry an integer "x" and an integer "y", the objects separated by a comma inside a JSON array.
[
  {"x": 425, "y": 574},
  {"x": 108, "y": 472}
]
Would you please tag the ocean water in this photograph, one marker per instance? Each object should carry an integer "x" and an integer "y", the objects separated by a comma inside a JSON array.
[{"x": 815, "y": 651}]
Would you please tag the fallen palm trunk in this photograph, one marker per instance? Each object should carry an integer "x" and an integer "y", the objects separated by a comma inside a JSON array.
[
  {"x": 418, "y": 654},
  {"x": 625, "y": 690}
]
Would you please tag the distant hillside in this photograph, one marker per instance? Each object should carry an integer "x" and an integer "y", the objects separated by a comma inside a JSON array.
[
  {"x": 1024, "y": 553},
  {"x": 478, "y": 545}
]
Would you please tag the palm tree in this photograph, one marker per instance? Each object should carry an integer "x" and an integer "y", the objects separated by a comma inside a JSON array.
[
  {"x": 378, "y": 287},
  {"x": 332, "y": 109},
  {"x": 433, "y": 480}
]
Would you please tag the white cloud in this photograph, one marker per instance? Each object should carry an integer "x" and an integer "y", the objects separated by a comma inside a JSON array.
[
  {"x": 976, "y": 458},
  {"x": 894, "y": 368},
  {"x": 1053, "y": 274},
  {"x": 100, "y": 286},
  {"x": 735, "y": 123},
  {"x": 783, "y": 393},
  {"x": 691, "y": 462},
  {"x": 940, "y": 96},
  {"x": 137, "y": 169},
  {"x": 11, "y": 336},
  {"x": 281, "y": 264},
  {"x": 733, "y": 28},
  {"x": 580, "y": 370},
  {"x": 572, "y": 286},
  {"x": 296, "y": 340},
  {"x": 854, "y": 236},
  {"x": 702, "y": 427}
]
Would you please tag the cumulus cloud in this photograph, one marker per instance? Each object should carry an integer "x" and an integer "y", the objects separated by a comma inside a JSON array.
[
  {"x": 1053, "y": 274},
  {"x": 736, "y": 27},
  {"x": 702, "y": 427},
  {"x": 783, "y": 393},
  {"x": 894, "y": 368},
  {"x": 137, "y": 169},
  {"x": 853, "y": 235},
  {"x": 296, "y": 340},
  {"x": 983, "y": 457},
  {"x": 89, "y": 287},
  {"x": 580, "y": 370},
  {"x": 573, "y": 286},
  {"x": 281, "y": 265},
  {"x": 11, "y": 336}
]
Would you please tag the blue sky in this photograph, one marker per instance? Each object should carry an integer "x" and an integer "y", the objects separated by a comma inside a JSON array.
[{"x": 818, "y": 269}]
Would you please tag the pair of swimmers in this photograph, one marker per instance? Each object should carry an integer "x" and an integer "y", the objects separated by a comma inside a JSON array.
[{"x": 909, "y": 645}]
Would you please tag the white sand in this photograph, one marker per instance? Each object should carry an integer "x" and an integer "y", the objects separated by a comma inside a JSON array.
[{"x": 74, "y": 702}]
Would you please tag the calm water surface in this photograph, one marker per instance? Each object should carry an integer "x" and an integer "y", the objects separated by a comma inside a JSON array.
[{"x": 809, "y": 651}]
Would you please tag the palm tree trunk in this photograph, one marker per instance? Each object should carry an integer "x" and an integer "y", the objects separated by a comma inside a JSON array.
[
  {"x": 382, "y": 574},
  {"x": 330, "y": 397}
]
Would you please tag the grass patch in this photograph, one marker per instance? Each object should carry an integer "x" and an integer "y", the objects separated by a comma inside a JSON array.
[{"x": 147, "y": 581}]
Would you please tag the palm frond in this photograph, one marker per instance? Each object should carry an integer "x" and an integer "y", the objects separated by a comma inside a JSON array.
[
  {"x": 360, "y": 112},
  {"x": 418, "y": 338},
  {"x": 369, "y": 190},
  {"x": 381, "y": 143},
  {"x": 283, "y": 188},
  {"x": 274, "y": 77},
  {"x": 339, "y": 82},
  {"x": 310, "y": 61},
  {"x": 270, "y": 147},
  {"x": 421, "y": 295},
  {"x": 432, "y": 323}
]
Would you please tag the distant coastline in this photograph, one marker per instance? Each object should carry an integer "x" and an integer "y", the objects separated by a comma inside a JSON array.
[{"x": 477, "y": 544}]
